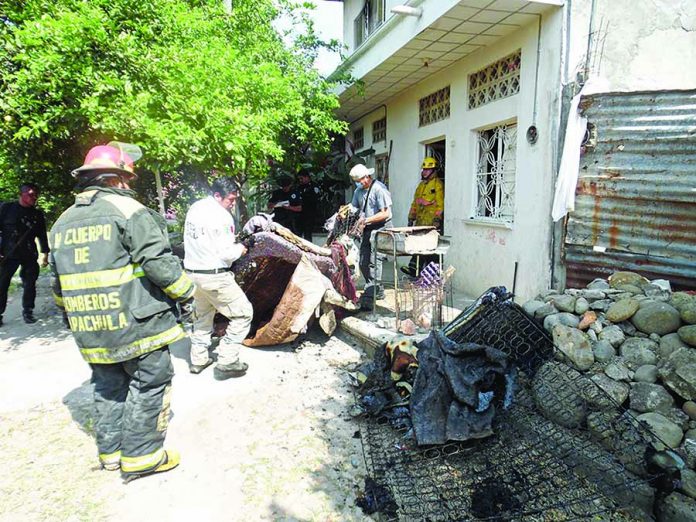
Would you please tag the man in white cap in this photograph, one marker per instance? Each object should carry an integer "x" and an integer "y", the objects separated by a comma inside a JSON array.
[{"x": 373, "y": 199}]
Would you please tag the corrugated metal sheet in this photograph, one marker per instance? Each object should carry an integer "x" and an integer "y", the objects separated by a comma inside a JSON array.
[{"x": 636, "y": 193}]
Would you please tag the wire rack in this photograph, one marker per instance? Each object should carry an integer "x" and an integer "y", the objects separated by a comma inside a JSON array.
[
  {"x": 537, "y": 466},
  {"x": 428, "y": 304}
]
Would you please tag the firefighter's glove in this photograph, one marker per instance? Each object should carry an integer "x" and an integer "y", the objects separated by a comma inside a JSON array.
[
  {"x": 411, "y": 222},
  {"x": 186, "y": 310}
]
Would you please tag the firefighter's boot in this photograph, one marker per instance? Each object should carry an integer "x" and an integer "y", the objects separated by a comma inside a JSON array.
[{"x": 170, "y": 461}]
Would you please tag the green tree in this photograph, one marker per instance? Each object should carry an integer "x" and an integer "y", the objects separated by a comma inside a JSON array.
[{"x": 200, "y": 90}]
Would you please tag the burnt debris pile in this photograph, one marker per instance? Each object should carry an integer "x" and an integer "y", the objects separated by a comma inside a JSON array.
[{"x": 487, "y": 420}]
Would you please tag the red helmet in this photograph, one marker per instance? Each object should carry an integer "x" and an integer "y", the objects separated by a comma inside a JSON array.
[{"x": 107, "y": 159}]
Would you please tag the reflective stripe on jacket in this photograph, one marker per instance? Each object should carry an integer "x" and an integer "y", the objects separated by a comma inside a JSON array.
[{"x": 116, "y": 277}]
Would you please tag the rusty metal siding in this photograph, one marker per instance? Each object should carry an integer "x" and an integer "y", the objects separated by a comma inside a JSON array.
[{"x": 636, "y": 192}]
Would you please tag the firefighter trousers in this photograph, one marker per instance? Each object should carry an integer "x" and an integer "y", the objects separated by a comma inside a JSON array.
[{"x": 132, "y": 402}]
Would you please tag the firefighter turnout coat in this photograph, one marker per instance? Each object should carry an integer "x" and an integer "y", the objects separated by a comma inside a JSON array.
[
  {"x": 428, "y": 202},
  {"x": 115, "y": 276}
]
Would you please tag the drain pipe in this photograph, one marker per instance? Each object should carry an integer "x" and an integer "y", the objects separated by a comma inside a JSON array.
[{"x": 558, "y": 269}]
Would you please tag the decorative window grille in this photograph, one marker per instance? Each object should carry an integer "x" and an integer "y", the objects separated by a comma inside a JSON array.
[
  {"x": 359, "y": 138},
  {"x": 497, "y": 81},
  {"x": 495, "y": 175},
  {"x": 370, "y": 18},
  {"x": 434, "y": 107},
  {"x": 379, "y": 130}
]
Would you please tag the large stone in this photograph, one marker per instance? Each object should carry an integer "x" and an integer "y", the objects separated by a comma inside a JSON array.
[
  {"x": 660, "y": 318},
  {"x": 626, "y": 278},
  {"x": 587, "y": 319},
  {"x": 593, "y": 295},
  {"x": 620, "y": 436},
  {"x": 574, "y": 344},
  {"x": 544, "y": 310},
  {"x": 688, "y": 334},
  {"x": 657, "y": 292},
  {"x": 556, "y": 389},
  {"x": 689, "y": 407},
  {"x": 630, "y": 289},
  {"x": 668, "y": 344},
  {"x": 613, "y": 335},
  {"x": 680, "y": 299},
  {"x": 601, "y": 305},
  {"x": 646, "y": 397},
  {"x": 667, "y": 432},
  {"x": 678, "y": 417},
  {"x": 664, "y": 284},
  {"x": 606, "y": 393},
  {"x": 688, "y": 448},
  {"x": 646, "y": 373},
  {"x": 565, "y": 303},
  {"x": 581, "y": 305},
  {"x": 622, "y": 310},
  {"x": 603, "y": 351},
  {"x": 678, "y": 372},
  {"x": 568, "y": 319},
  {"x": 549, "y": 293},
  {"x": 618, "y": 371},
  {"x": 532, "y": 306},
  {"x": 598, "y": 284},
  {"x": 550, "y": 321},
  {"x": 636, "y": 352},
  {"x": 628, "y": 328},
  {"x": 688, "y": 483},
  {"x": 688, "y": 313},
  {"x": 676, "y": 507}
]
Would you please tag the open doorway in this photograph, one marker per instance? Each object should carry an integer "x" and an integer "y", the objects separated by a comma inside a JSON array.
[{"x": 436, "y": 149}]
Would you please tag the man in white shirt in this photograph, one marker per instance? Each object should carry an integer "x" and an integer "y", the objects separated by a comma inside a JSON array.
[{"x": 210, "y": 250}]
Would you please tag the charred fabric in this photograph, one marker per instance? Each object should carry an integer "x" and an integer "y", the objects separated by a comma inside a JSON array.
[{"x": 472, "y": 424}]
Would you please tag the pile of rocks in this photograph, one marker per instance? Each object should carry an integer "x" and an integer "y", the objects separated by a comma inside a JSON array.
[{"x": 636, "y": 339}]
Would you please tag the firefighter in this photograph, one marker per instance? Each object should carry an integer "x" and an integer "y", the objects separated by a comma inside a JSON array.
[
  {"x": 426, "y": 210},
  {"x": 118, "y": 283}
]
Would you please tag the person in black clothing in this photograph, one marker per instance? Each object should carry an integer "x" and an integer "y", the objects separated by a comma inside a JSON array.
[
  {"x": 286, "y": 204},
  {"x": 21, "y": 223},
  {"x": 309, "y": 193}
]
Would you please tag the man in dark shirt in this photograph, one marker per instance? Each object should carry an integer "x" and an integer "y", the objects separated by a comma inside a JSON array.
[
  {"x": 286, "y": 204},
  {"x": 309, "y": 193},
  {"x": 21, "y": 223}
]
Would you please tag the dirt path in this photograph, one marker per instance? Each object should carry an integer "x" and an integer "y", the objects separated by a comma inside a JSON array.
[{"x": 277, "y": 444}]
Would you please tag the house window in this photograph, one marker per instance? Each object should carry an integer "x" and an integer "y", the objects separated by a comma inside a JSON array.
[
  {"x": 370, "y": 18},
  {"x": 379, "y": 130},
  {"x": 434, "y": 107},
  {"x": 495, "y": 174},
  {"x": 359, "y": 138},
  {"x": 495, "y": 82}
]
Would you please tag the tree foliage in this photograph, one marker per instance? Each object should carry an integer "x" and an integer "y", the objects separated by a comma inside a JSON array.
[{"x": 199, "y": 89}]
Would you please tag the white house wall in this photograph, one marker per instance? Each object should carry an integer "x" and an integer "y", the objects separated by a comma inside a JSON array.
[
  {"x": 641, "y": 44},
  {"x": 483, "y": 254}
]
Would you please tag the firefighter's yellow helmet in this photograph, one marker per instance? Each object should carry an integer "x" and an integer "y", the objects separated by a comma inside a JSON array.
[{"x": 429, "y": 163}]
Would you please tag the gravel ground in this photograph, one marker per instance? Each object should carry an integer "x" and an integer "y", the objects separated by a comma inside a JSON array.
[{"x": 277, "y": 444}]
